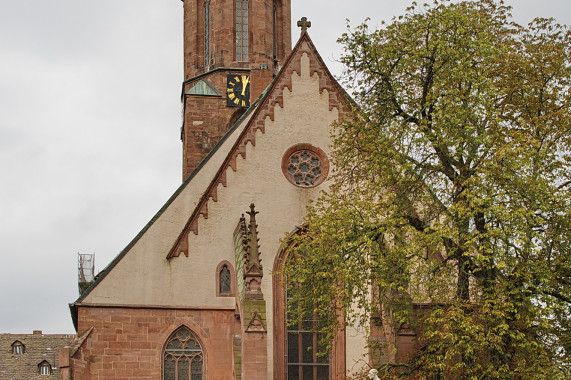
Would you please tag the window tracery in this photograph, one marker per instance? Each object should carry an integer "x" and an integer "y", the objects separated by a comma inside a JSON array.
[
  {"x": 183, "y": 358},
  {"x": 305, "y": 165},
  {"x": 298, "y": 352},
  {"x": 225, "y": 280}
]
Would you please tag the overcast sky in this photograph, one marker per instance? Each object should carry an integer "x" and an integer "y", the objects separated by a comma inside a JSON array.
[{"x": 89, "y": 132}]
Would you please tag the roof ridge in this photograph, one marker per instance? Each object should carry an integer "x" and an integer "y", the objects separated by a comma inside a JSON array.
[{"x": 249, "y": 132}]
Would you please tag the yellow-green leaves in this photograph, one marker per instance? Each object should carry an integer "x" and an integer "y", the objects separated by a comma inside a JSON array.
[{"x": 452, "y": 188}]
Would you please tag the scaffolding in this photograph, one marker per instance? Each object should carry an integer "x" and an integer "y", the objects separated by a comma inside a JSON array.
[{"x": 86, "y": 271}]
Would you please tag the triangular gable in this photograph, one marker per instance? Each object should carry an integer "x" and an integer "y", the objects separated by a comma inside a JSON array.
[
  {"x": 101, "y": 275},
  {"x": 337, "y": 98},
  {"x": 203, "y": 88},
  {"x": 242, "y": 132}
]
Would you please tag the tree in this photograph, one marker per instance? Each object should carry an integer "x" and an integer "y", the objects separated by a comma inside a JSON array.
[{"x": 451, "y": 190}]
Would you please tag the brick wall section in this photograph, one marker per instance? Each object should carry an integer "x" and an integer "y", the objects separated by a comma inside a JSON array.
[
  {"x": 255, "y": 355},
  {"x": 206, "y": 119},
  {"x": 127, "y": 343},
  {"x": 222, "y": 36}
]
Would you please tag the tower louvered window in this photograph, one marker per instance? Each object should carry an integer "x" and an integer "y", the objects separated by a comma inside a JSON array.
[
  {"x": 241, "y": 30},
  {"x": 207, "y": 35},
  {"x": 183, "y": 358},
  {"x": 275, "y": 31}
]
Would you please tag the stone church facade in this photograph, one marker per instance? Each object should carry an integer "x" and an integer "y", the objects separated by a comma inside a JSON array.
[{"x": 195, "y": 295}]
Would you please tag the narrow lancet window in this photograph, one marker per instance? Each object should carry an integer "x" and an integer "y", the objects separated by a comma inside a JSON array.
[
  {"x": 225, "y": 280},
  {"x": 241, "y": 30}
]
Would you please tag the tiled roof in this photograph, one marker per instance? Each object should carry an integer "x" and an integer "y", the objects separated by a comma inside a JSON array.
[{"x": 38, "y": 347}]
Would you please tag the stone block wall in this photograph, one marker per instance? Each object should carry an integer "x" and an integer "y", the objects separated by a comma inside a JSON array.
[{"x": 127, "y": 343}]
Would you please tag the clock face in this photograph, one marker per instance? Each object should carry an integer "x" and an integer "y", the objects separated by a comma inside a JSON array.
[{"x": 238, "y": 90}]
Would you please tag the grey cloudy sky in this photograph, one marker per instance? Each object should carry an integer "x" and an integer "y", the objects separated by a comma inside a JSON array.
[{"x": 89, "y": 132}]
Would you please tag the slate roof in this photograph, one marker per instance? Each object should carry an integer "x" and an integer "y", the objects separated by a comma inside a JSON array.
[{"x": 38, "y": 347}]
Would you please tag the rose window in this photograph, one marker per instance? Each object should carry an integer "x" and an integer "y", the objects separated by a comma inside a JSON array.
[{"x": 305, "y": 166}]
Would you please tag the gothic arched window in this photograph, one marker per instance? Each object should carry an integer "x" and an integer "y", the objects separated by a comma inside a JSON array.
[
  {"x": 183, "y": 358},
  {"x": 297, "y": 344},
  {"x": 225, "y": 280},
  {"x": 241, "y": 30}
]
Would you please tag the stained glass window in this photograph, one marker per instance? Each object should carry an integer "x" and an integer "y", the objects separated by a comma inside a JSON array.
[
  {"x": 183, "y": 357},
  {"x": 225, "y": 280},
  {"x": 304, "y": 168}
]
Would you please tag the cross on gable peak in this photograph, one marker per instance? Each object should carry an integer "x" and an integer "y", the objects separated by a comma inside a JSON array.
[{"x": 304, "y": 24}]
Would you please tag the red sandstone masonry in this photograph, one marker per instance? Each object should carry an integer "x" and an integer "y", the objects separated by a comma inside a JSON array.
[{"x": 127, "y": 343}]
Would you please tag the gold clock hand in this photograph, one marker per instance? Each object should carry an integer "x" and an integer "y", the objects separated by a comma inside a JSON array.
[{"x": 245, "y": 81}]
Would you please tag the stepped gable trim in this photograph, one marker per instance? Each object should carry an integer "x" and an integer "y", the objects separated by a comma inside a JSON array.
[
  {"x": 101, "y": 275},
  {"x": 220, "y": 177},
  {"x": 272, "y": 96}
]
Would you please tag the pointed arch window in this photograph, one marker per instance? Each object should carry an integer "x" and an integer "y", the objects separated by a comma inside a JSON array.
[
  {"x": 296, "y": 345},
  {"x": 241, "y": 30},
  {"x": 225, "y": 280},
  {"x": 183, "y": 358}
]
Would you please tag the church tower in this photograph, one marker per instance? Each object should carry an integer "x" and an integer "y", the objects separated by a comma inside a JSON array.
[{"x": 232, "y": 51}]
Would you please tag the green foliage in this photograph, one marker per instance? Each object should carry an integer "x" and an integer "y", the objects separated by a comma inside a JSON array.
[{"x": 451, "y": 189}]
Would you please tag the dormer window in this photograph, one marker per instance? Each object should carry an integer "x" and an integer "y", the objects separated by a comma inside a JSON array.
[
  {"x": 18, "y": 348},
  {"x": 45, "y": 368}
]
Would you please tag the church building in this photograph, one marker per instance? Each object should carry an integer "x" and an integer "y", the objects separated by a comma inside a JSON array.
[{"x": 197, "y": 293}]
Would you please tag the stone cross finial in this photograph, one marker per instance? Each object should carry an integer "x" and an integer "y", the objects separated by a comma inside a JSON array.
[{"x": 304, "y": 24}]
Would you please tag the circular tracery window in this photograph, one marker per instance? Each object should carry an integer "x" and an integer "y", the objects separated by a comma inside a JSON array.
[{"x": 305, "y": 165}]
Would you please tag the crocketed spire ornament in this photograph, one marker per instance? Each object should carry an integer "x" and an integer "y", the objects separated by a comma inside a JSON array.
[{"x": 252, "y": 262}]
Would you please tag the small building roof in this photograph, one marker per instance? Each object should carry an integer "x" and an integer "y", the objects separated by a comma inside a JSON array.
[{"x": 38, "y": 348}]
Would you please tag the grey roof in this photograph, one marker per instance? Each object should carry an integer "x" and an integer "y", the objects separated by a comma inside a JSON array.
[{"x": 37, "y": 348}]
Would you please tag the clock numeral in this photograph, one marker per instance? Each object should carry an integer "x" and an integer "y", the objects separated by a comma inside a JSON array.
[{"x": 237, "y": 90}]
